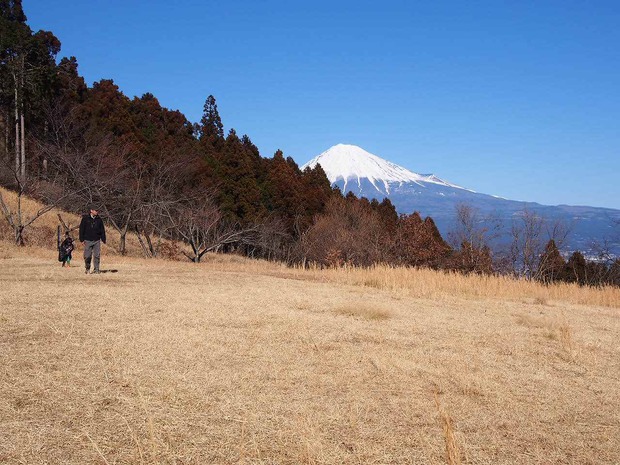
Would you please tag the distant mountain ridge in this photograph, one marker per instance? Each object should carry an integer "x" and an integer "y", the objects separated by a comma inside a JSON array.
[{"x": 351, "y": 168}]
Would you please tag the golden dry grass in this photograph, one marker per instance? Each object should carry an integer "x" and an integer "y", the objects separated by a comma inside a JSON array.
[
  {"x": 453, "y": 451},
  {"x": 425, "y": 283},
  {"x": 430, "y": 284},
  {"x": 363, "y": 310},
  {"x": 249, "y": 362},
  {"x": 239, "y": 361}
]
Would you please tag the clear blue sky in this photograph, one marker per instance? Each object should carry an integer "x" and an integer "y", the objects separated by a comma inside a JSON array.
[{"x": 519, "y": 99}]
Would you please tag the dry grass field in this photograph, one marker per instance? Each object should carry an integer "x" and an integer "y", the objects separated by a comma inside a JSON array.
[{"x": 246, "y": 362}]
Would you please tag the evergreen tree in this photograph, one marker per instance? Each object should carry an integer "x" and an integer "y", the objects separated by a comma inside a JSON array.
[
  {"x": 249, "y": 146},
  {"x": 417, "y": 242},
  {"x": 283, "y": 189},
  {"x": 239, "y": 193},
  {"x": 27, "y": 65},
  {"x": 12, "y": 10},
  {"x": 70, "y": 88},
  {"x": 551, "y": 265},
  {"x": 388, "y": 214},
  {"x": 211, "y": 127},
  {"x": 614, "y": 273},
  {"x": 317, "y": 190},
  {"x": 576, "y": 268}
]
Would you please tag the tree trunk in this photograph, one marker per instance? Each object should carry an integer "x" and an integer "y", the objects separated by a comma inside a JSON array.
[
  {"x": 44, "y": 163},
  {"x": 23, "y": 147},
  {"x": 19, "y": 236},
  {"x": 4, "y": 122},
  {"x": 145, "y": 249},
  {"x": 23, "y": 128},
  {"x": 17, "y": 152},
  {"x": 122, "y": 242},
  {"x": 122, "y": 231},
  {"x": 7, "y": 134},
  {"x": 122, "y": 247},
  {"x": 150, "y": 243},
  {"x": 19, "y": 231}
]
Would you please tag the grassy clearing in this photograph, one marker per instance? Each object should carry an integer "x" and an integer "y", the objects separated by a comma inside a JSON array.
[
  {"x": 239, "y": 361},
  {"x": 249, "y": 362}
]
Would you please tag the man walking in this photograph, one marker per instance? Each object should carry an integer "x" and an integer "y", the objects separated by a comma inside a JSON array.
[{"x": 92, "y": 234}]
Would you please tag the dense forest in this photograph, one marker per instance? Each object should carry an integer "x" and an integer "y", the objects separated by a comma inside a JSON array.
[{"x": 155, "y": 174}]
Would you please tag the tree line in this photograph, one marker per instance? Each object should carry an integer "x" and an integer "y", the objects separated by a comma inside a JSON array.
[{"x": 158, "y": 176}]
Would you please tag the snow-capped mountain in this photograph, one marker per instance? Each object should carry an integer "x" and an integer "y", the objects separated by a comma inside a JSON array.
[
  {"x": 354, "y": 167},
  {"x": 351, "y": 168}
]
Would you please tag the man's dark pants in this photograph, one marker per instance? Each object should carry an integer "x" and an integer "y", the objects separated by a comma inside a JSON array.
[{"x": 92, "y": 248}]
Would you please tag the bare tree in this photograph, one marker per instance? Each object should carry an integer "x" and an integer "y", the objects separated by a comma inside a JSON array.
[
  {"x": 473, "y": 236},
  {"x": 161, "y": 201},
  {"x": 122, "y": 199},
  {"x": 272, "y": 241},
  {"x": 605, "y": 248},
  {"x": 104, "y": 172},
  {"x": 14, "y": 214},
  {"x": 200, "y": 224},
  {"x": 530, "y": 233}
]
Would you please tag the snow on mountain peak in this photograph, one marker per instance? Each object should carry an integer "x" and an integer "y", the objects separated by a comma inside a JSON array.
[{"x": 351, "y": 163}]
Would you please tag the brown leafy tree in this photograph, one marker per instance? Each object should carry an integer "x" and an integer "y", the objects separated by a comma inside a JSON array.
[
  {"x": 349, "y": 232},
  {"x": 418, "y": 242}
]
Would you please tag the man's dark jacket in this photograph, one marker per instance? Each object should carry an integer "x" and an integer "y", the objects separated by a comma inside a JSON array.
[{"x": 92, "y": 229}]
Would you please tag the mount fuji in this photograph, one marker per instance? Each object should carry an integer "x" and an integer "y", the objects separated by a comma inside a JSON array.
[{"x": 351, "y": 168}]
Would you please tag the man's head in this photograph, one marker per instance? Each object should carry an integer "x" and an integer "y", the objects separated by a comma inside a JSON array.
[{"x": 94, "y": 211}]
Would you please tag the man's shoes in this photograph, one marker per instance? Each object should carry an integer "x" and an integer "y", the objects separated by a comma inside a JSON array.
[
  {"x": 96, "y": 272},
  {"x": 87, "y": 271}
]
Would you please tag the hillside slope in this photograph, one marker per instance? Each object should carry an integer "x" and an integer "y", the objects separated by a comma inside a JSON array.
[
  {"x": 232, "y": 361},
  {"x": 43, "y": 232}
]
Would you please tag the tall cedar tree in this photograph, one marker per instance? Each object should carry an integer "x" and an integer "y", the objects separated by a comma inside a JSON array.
[
  {"x": 552, "y": 265},
  {"x": 211, "y": 127},
  {"x": 576, "y": 269},
  {"x": 283, "y": 190},
  {"x": 239, "y": 192}
]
